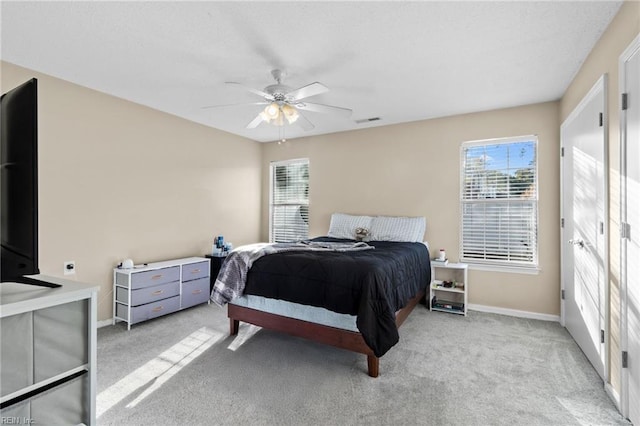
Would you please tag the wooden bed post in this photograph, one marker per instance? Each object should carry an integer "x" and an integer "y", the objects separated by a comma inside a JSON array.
[
  {"x": 373, "y": 365},
  {"x": 233, "y": 326}
]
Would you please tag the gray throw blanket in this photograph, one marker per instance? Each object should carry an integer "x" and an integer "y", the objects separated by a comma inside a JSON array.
[{"x": 233, "y": 274}]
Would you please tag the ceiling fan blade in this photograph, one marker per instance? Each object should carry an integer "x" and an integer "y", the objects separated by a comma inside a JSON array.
[
  {"x": 255, "y": 122},
  {"x": 252, "y": 90},
  {"x": 306, "y": 91},
  {"x": 303, "y": 122},
  {"x": 234, "y": 105},
  {"x": 326, "y": 109}
]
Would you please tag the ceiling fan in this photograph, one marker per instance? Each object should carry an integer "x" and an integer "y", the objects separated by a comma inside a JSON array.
[{"x": 283, "y": 104}]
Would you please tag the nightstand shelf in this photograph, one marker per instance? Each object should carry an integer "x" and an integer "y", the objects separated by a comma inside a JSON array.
[{"x": 449, "y": 299}]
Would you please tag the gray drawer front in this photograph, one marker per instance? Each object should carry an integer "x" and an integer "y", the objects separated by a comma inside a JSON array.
[
  {"x": 195, "y": 292},
  {"x": 19, "y": 356},
  {"x": 194, "y": 271},
  {"x": 150, "y": 310},
  {"x": 155, "y": 277},
  {"x": 63, "y": 405},
  {"x": 20, "y": 410},
  {"x": 60, "y": 335},
  {"x": 148, "y": 294}
]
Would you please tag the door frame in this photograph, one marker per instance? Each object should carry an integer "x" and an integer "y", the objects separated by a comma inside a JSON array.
[
  {"x": 633, "y": 47},
  {"x": 601, "y": 83}
]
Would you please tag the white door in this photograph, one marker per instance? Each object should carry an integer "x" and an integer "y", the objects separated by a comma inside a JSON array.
[
  {"x": 630, "y": 214},
  {"x": 584, "y": 252}
]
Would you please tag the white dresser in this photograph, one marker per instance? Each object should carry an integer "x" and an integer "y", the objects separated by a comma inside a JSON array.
[
  {"x": 48, "y": 353},
  {"x": 160, "y": 288}
]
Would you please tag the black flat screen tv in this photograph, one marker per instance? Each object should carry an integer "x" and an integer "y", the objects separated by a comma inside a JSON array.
[{"x": 19, "y": 184}]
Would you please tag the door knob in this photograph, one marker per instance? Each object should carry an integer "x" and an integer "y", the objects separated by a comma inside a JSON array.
[{"x": 577, "y": 243}]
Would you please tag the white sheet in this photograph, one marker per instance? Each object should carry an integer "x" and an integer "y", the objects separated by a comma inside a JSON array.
[{"x": 294, "y": 310}]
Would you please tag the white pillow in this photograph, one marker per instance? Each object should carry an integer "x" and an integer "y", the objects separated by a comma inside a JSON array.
[
  {"x": 395, "y": 228},
  {"x": 344, "y": 225}
]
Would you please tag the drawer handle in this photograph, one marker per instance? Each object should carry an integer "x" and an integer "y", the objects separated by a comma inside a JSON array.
[
  {"x": 156, "y": 277},
  {"x": 157, "y": 292},
  {"x": 195, "y": 271},
  {"x": 196, "y": 292},
  {"x": 157, "y": 308}
]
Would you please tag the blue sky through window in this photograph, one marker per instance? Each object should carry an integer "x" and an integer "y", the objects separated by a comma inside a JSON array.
[{"x": 508, "y": 157}]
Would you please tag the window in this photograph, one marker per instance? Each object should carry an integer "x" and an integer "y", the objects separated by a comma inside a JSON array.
[
  {"x": 499, "y": 202},
  {"x": 289, "y": 201}
]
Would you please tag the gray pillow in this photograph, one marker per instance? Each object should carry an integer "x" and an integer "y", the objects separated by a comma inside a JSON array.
[{"x": 344, "y": 225}]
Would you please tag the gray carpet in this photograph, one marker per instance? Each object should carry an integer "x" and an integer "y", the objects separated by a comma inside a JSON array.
[{"x": 483, "y": 369}]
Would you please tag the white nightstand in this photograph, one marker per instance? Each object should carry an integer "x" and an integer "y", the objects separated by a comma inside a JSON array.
[{"x": 449, "y": 299}]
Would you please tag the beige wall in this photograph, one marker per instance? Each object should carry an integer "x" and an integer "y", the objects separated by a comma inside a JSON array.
[
  {"x": 118, "y": 180},
  {"x": 121, "y": 180},
  {"x": 413, "y": 169},
  {"x": 603, "y": 59}
]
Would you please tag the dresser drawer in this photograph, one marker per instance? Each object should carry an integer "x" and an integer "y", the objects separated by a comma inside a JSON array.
[
  {"x": 195, "y": 292},
  {"x": 60, "y": 335},
  {"x": 158, "y": 276},
  {"x": 141, "y": 296},
  {"x": 16, "y": 328},
  {"x": 148, "y": 311},
  {"x": 63, "y": 404},
  {"x": 194, "y": 271}
]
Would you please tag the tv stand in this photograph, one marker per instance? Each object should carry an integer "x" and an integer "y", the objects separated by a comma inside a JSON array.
[{"x": 48, "y": 348}]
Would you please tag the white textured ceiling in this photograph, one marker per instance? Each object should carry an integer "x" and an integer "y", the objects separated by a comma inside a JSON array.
[{"x": 400, "y": 61}]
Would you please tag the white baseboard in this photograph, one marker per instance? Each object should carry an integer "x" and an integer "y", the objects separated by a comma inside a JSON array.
[
  {"x": 105, "y": 323},
  {"x": 514, "y": 313},
  {"x": 613, "y": 395}
]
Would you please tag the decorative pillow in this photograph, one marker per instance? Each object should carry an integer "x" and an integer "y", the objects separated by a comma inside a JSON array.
[
  {"x": 396, "y": 228},
  {"x": 344, "y": 225}
]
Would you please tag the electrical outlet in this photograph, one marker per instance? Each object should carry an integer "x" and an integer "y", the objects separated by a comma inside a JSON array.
[{"x": 70, "y": 267}]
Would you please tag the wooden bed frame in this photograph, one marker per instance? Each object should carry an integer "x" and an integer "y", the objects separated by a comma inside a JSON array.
[{"x": 337, "y": 337}]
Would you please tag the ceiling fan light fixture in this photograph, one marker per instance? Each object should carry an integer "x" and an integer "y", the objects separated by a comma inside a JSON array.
[
  {"x": 265, "y": 117},
  {"x": 272, "y": 110},
  {"x": 283, "y": 103},
  {"x": 290, "y": 113},
  {"x": 276, "y": 113},
  {"x": 279, "y": 120}
]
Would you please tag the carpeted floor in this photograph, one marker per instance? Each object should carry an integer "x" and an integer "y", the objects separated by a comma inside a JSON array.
[{"x": 483, "y": 369}]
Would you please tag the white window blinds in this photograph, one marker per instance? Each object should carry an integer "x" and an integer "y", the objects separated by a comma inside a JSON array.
[
  {"x": 499, "y": 202},
  {"x": 289, "y": 206}
]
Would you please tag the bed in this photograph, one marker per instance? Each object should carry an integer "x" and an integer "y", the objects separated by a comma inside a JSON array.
[{"x": 340, "y": 292}]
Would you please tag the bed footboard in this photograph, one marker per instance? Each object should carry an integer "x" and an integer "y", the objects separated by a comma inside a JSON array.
[{"x": 345, "y": 339}]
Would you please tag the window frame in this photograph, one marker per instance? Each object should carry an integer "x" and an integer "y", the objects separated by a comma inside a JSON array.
[
  {"x": 272, "y": 204},
  {"x": 505, "y": 265}
]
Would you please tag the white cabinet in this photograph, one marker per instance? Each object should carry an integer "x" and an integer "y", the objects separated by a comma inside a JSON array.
[
  {"x": 48, "y": 353},
  {"x": 448, "y": 291},
  {"x": 156, "y": 289}
]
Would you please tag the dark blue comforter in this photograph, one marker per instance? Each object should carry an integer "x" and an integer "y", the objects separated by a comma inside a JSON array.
[{"x": 371, "y": 284}]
